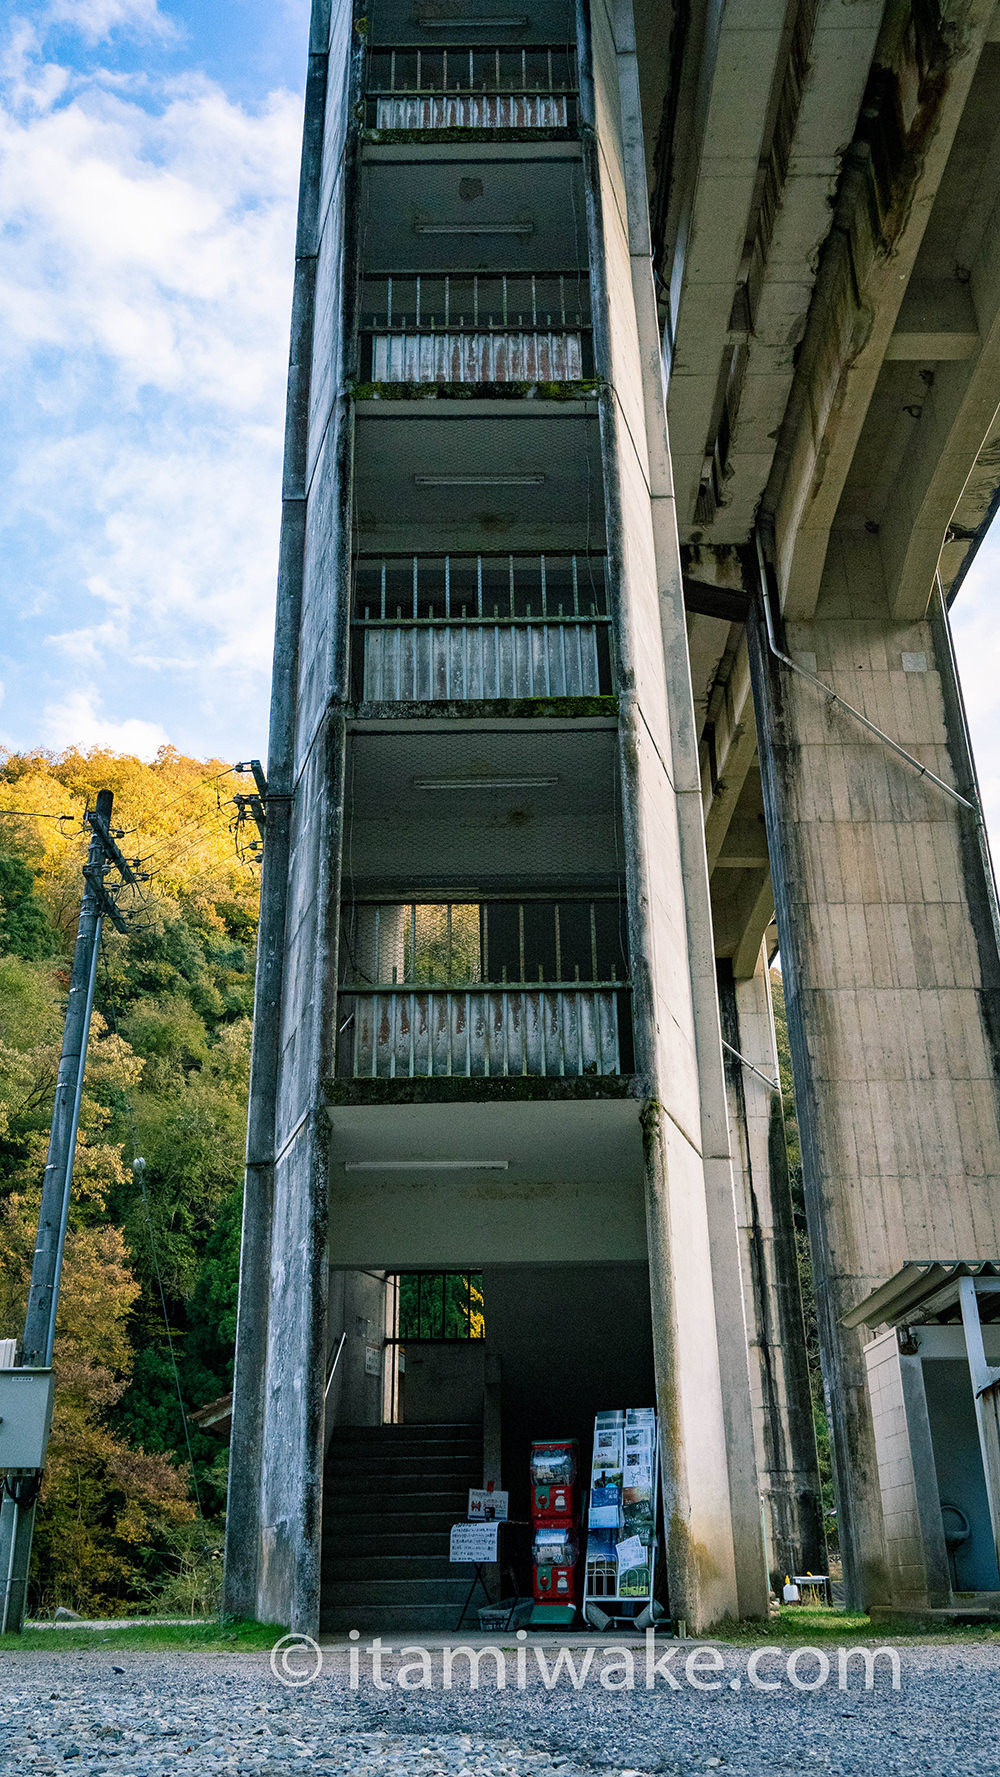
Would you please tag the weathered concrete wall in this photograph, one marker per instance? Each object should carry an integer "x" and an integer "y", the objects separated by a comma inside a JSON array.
[
  {"x": 915, "y": 1554},
  {"x": 357, "y": 1309},
  {"x": 783, "y": 1426},
  {"x": 275, "y": 1498},
  {"x": 714, "y": 1555},
  {"x": 891, "y": 968}
]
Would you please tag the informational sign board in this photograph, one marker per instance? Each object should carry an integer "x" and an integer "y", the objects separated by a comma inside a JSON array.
[
  {"x": 631, "y": 1553},
  {"x": 474, "y": 1542},
  {"x": 485, "y": 1506}
]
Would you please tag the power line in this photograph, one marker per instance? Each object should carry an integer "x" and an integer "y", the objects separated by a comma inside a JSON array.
[{"x": 202, "y": 783}]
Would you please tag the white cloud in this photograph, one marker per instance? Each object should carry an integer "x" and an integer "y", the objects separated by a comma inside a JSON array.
[
  {"x": 146, "y": 252},
  {"x": 77, "y": 722},
  {"x": 96, "y": 19}
]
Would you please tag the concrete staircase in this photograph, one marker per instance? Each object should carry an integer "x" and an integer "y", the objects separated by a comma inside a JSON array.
[{"x": 390, "y": 1496}]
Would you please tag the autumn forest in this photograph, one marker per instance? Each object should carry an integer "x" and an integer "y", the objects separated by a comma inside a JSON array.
[{"x": 134, "y": 1491}]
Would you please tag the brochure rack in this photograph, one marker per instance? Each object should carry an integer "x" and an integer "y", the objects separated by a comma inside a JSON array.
[{"x": 621, "y": 1517}]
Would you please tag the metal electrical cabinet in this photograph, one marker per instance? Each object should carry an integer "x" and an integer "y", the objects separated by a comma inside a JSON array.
[{"x": 25, "y": 1417}]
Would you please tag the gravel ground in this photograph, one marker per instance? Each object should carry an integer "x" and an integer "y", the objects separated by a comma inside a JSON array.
[{"x": 146, "y": 1714}]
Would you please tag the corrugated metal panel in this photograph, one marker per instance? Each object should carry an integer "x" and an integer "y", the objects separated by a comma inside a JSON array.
[
  {"x": 473, "y": 1033},
  {"x": 495, "y": 357},
  {"x": 411, "y": 663},
  {"x": 483, "y": 111}
]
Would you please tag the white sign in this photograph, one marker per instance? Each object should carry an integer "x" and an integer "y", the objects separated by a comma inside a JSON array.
[
  {"x": 473, "y": 1542},
  {"x": 485, "y": 1505},
  {"x": 631, "y": 1553}
]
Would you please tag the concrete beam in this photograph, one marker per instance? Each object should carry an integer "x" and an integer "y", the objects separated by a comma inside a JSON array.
[
  {"x": 745, "y": 847},
  {"x": 735, "y": 749},
  {"x": 862, "y": 278},
  {"x": 955, "y": 417},
  {"x": 937, "y": 322},
  {"x": 822, "y": 106},
  {"x": 734, "y": 103},
  {"x": 760, "y": 912}
]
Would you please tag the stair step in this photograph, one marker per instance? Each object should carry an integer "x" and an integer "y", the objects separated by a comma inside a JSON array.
[
  {"x": 340, "y": 1568},
  {"x": 391, "y": 1494},
  {"x": 410, "y": 1499},
  {"x": 399, "y": 1592},
  {"x": 374, "y": 1544},
  {"x": 388, "y": 1434},
  {"x": 396, "y": 1620},
  {"x": 338, "y": 1528},
  {"x": 414, "y": 1460}
]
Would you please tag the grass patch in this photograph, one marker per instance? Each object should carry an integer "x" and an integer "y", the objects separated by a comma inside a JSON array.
[
  {"x": 238, "y": 1637},
  {"x": 810, "y": 1625}
]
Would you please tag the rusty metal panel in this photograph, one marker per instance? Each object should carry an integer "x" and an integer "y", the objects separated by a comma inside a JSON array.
[
  {"x": 447, "y": 111},
  {"x": 489, "y": 357},
  {"x": 472, "y": 1032},
  {"x": 408, "y": 663}
]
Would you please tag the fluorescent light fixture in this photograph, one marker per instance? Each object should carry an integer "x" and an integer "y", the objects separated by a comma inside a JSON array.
[
  {"x": 484, "y": 783},
  {"x": 426, "y": 1165},
  {"x": 475, "y": 228},
  {"x": 474, "y": 24},
  {"x": 534, "y": 480}
]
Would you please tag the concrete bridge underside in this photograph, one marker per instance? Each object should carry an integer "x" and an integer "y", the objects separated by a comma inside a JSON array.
[{"x": 827, "y": 256}]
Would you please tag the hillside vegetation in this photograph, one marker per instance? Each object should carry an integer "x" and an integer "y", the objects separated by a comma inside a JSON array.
[{"x": 131, "y": 1507}]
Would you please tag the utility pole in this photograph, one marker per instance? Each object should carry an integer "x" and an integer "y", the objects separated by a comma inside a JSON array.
[{"x": 26, "y": 1392}]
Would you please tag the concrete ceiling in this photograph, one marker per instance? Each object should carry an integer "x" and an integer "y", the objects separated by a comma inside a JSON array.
[
  {"x": 406, "y": 191},
  {"x": 572, "y": 1189},
  {"x": 530, "y": 479},
  {"x": 517, "y": 831}
]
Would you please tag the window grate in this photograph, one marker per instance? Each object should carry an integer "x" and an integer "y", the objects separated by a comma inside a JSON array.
[
  {"x": 480, "y": 627},
  {"x": 438, "y": 1307},
  {"x": 477, "y": 87}
]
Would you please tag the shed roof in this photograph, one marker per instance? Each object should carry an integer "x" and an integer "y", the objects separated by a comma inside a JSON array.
[{"x": 925, "y": 1289}]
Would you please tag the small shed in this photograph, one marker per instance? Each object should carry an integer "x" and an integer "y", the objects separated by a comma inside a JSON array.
[{"x": 934, "y": 1388}]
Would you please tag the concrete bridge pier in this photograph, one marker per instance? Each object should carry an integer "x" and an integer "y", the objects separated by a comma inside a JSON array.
[
  {"x": 784, "y": 1436},
  {"x": 887, "y": 928}
]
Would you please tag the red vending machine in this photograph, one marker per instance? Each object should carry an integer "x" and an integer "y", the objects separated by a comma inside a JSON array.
[{"x": 555, "y": 1516}]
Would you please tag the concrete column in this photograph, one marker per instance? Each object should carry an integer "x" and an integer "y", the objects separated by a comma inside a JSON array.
[
  {"x": 886, "y": 920},
  {"x": 785, "y": 1439},
  {"x": 715, "y": 1554},
  {"x": 275, "y": 1498}
]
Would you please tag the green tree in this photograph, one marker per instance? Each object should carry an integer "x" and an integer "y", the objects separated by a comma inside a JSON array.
[{"x": 167, "y": 1078}]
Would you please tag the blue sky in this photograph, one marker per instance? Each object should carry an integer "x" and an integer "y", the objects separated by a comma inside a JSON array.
[{"x": 148, "y": 165}]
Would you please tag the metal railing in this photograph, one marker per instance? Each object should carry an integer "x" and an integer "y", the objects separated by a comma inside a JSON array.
[
  {"x": 471, "y": 88},
  {"x": 480, "y": 627},
  {"x": 476, "y": 327},
  {"x": 483, "y": 989},
  {"x": 478, "y": 1032}
]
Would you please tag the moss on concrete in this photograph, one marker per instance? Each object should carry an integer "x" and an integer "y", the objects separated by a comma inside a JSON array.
[
  {"x": 564, "y": 391},
  {"x": 456, "y": 1090},
  {"x": 530, "y": 708},
  {"x": 463, "y": 134}
]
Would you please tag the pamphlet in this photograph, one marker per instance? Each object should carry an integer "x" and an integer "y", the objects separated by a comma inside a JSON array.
[{"x": 631, "y": 1553}]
